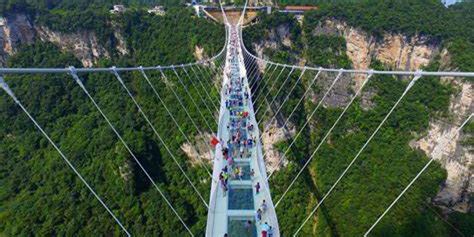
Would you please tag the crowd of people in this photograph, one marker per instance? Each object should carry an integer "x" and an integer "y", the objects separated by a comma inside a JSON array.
[{"x": 241, "y": 141}]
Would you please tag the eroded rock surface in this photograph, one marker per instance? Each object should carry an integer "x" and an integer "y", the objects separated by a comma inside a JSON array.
[
  {"x": 18, "y": 29},
  {"x": 273, "y": 135},
  {"x": 198, "y": 152},
  {"x": 444, "y": 144}
]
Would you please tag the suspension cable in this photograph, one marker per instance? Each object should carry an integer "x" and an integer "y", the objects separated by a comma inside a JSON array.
[
  {"x": 76, "y": 78},
  {"x": 212, "y": 74},
  {"x": 247, "y": 60},
  {"x": 301, "y": 99},
  {"x": 296, "y": 106},
  {"x": 203, "y": 88},
  {"x": 200, "y": 95},
  {"x": 117, "y": 76},
  {"x": 416, "y": 177},
  {"x": 269, "y": 92},
  {"x": 306, "y": 123},
  {"x": 173, "y": 118},
  {"x": 252, "y": 72},
  {"x": 274, "y": 98},
  {"x": 7, "y": 89},
  {"x": 212, "y": 101},
  {"x": 265, "y": 79},
  {"x": 361, "y": 71},
  {"x": 271, "y": 88},
  {"x": 324, "y": 138},
  {"x": 192, "y": 99},
  {"x": 410, "y": 85},
  {"x": 256, "y": 76},
  {"x": 184, "y": 108},
  {"x": 251, "y": 62},
  {"x": 287, "y": 96}
]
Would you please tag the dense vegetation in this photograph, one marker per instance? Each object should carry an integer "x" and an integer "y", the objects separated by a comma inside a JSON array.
[
  {"x": 388, "y": 163},
  {"x": 425, "y": 17},
  {"x": 34, "y": 6},
  {"x": 142, "y": 28},
  {"x": 259, "y": 32},
  {"x": 40, "y": 195},
  {"x": 453, "y": 26},
  {"x": 328, "y": 51}
]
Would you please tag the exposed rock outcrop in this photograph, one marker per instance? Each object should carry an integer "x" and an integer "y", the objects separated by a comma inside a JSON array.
[
  {"x": 14, "y": 31},
  {"x": 274, "y": 134},
  {"x": 199, "y": 151},
  {"x": 411, "y": 53},
  {"x": 84, "y": 45},
  {"x": 445, "y": 145},
  {"x": 397, "y": 51},
  {"x": 18, "y": 29},
  {"x": 126, "y": 170},
  {"x": 198, "y": 52},
  {"x": 121, "y": 44}
]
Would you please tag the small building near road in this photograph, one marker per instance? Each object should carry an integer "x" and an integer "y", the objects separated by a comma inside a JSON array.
[{"x": 298, "y": 9}]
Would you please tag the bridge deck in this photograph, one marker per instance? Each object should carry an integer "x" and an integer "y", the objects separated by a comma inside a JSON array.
[{"x": 229, "y": 211}]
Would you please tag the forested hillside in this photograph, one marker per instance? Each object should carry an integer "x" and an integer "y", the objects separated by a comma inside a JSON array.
[
  {"x": 39, "y": 194},
  {"x": 390, "y": 161},
  {"x": 77, "y": 5}
]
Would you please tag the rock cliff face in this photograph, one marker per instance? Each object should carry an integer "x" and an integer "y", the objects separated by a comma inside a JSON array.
[
  {"x": 17, "y": 29},
  {"x": 84, "y": 45},
  {"x": 400, "y": 52},
  {"x": 199, "y": 151},
  {"x": 14, "y": 30},
  {"x": 455, "y": 157},
  {"x": 199, "y": 52},
  {"x": 397, "y": 51},
  {"x": 271, "y": 136},
  {"x": 276, "y": 37}
]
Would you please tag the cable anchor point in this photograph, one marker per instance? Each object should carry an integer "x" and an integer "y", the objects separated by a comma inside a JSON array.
[{"x": 370, "y": 72}]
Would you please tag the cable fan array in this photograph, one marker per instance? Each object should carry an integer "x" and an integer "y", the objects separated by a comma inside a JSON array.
[
  {"x": 279, "y": 92},
  {"x": 189, "y": 75},
  {"x": 272, "y": 99}
]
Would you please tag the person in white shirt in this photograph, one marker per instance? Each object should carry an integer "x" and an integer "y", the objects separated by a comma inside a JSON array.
[{"x": 263, "y": 206}]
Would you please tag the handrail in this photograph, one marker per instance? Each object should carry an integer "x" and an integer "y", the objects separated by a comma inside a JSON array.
[{"x": 105, "y": 69}]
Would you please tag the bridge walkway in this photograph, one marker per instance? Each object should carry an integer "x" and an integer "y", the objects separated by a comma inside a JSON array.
[{"x": 234, "y": 204}]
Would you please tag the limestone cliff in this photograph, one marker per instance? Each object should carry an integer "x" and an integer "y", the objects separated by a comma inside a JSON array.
[
  {"x": 84, "y": 45},
  {"x": 452, "y": 154},
  {"x": 200, "y": 151},
  {"x": 18, "y": 29},
  {"x": 278, "y": 37},
  {"x": 14, "y": 30},
  {"x": 399, "y": 52}
]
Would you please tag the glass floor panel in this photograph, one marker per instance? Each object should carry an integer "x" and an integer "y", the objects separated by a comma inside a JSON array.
[
  {"x": 238, "y": 227},
  {"x": 241, "y": 198},
  {"x": 245, "y": 169}
]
